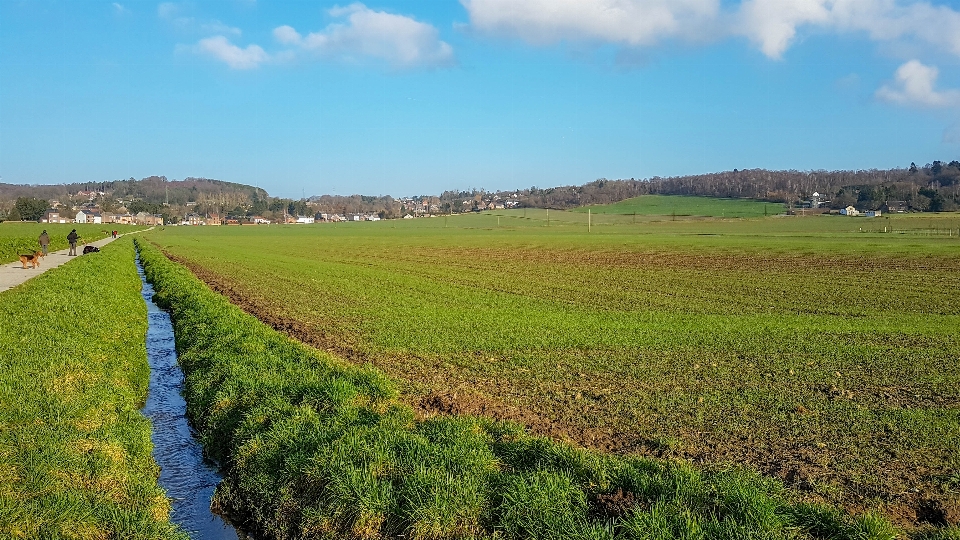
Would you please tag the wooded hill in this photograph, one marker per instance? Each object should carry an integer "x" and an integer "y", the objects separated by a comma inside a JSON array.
[
  {"x": 155, "y": 190},
  {"x": 933, "y": 187}
]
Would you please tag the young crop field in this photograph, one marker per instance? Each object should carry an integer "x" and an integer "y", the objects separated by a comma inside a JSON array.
[
  {"x": 313, "y": 447},
  {"x": 75, "y": 452},
  {"x": 819, "y": 350},
  {"x": 678, "y": 205},
  {"x": 18, "y": 237}
]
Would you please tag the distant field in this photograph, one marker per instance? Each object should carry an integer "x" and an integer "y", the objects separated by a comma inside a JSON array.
[
  {"x": 820, "y": 350},
  {"x": 670, "y": 205}
]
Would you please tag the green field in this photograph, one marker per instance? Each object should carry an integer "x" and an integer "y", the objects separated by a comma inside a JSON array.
[
  {"x": 18, "y": 237},
  {"x": 313, "y": 447},
  {"x": 75, "y": 452},
  {"x": 678, "y": 205},
  {"x": 819, "y": 350}
]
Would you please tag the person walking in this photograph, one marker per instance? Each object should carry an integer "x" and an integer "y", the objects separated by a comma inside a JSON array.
[
  {"x": 44, "y": 242},
  {"x": 72, "y": 238}
]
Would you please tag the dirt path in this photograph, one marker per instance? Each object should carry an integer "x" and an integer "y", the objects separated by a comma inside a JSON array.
[{"x": 13, "y": 274}]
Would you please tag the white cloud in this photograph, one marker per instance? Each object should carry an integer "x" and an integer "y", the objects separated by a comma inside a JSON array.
[
  {"x": 119, "y": 8},
  {"x": 914, "y": 85},
  {"x": 287, "y": 35},
  {"x": 217, "y": 27},
  {"x": 222, "y": 49},
  {"x": 400, "y": 41},
  {"x": 773, "y": 25},
  {"x": 625, "y": 22}
]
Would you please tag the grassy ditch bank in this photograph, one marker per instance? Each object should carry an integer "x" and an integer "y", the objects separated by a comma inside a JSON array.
[
  {"x": 313, "y": 447},
  {"x": 75, "y": 452}
]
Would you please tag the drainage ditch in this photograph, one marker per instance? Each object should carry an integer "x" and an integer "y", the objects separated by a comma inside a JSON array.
[{"x": 187, "y": 477}]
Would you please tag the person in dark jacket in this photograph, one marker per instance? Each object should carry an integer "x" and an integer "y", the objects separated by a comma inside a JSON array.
[
  {"x": 72, "y": 238},
  {"x": 44, "y": 241}
]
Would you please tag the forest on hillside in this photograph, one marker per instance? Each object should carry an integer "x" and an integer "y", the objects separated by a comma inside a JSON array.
[
  {"x": 151, "y": 190},
  {"x": 933, "y": 187},
  {"x": 154, "y": 195}
]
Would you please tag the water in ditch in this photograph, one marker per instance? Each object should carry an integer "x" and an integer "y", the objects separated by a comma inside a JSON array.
[{"x": 187, "y": 477}]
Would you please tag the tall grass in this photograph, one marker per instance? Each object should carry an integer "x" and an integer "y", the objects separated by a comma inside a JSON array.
[
  {"x": 312, "y": 447},
  {"x": 75, "y": 452}
]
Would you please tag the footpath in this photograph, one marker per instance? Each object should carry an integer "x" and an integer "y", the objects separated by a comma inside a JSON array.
[{"x": 13, "y": 274}]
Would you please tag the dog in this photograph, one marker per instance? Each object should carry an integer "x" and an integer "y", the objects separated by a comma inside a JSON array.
[
  {"x": 33, "y": 259},
  {"x": 90, "y": 249}
]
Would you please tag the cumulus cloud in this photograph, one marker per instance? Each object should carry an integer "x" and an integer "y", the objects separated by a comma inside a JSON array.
[
  {"x": 222, "y": 49},
  {"x": 399, "y": 41},
  {"x": 773, "y": 25},
  {"x": 914, "y": 84},
  {"x": 625, "y": 22}
]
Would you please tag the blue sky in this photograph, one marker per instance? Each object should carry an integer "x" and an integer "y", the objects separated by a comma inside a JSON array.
[{"x": 416, "y": 97}]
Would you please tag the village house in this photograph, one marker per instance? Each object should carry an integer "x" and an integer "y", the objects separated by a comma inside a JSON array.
[
  {"x": 849, "y": 211},
  {"x": 122, "y": 219},
  {"x": 896, "y": 207},
  {"x": 53, "y": 216},
  {"x": 143, "y": 218},
  {"x": 193, "y": 219},
  {"x": 88, "y": 216},
  {"x": 260, "y": 220}
]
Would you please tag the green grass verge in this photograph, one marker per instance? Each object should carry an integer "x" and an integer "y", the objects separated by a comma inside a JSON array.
[
  {"x": 75, "y": 452},
  {"x": 18, "y": 237},
  {"x": 680, "y": 205},
  {"x": 313, "y": 447}
]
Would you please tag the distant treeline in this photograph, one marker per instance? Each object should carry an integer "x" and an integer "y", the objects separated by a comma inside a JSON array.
[
  {"x": 153, "y": 190},
  {"x": 933, "y": 187}
]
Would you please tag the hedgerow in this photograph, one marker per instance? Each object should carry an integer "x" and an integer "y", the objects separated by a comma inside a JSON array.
[
  {"x": 75, "y": 452},
  {"x": 313, "y": 447}
]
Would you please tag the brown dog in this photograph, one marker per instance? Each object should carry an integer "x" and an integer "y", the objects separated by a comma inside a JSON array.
[{"x": 33, "y": 259}]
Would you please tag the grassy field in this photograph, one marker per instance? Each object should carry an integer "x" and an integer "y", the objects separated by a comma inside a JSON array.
[
  {"x": 18, "y": 237},
  {"x": 313, "y": 447},
  {"x": 677, "y": 205},
  {"x": 75, "y": 452},
  {"x": 820, "y": 350}
]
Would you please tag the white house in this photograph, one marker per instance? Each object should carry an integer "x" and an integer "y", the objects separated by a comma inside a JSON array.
[
  {"x": 849, "y": 211},
  {"x": 305, "y": 219},
  {"x": 86, "y": 216}
]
